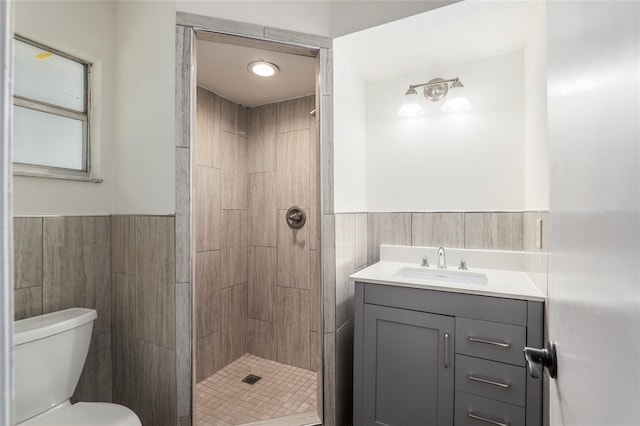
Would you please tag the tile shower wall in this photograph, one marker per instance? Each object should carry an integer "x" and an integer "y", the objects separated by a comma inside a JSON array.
[
  {"x": 284, "y": 286},
  {"x": 144, "y": 335},
  {"x": 63, "y": 262},
  {"x": 221, "y": 232},
  {"x": 251, "y": 166}
]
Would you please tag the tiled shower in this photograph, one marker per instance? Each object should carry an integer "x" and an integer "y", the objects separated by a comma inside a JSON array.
[{"x": 257, "y": 281}]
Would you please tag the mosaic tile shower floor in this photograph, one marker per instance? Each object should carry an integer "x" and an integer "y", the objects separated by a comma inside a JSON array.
[{"x": 224, "y": 400}]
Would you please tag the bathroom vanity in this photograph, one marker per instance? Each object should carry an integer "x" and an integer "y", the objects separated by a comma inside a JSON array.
[{"x": 434, "y": 348}]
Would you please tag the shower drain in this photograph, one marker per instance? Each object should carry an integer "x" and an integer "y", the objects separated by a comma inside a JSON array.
[{"x": 251, "y": 379}]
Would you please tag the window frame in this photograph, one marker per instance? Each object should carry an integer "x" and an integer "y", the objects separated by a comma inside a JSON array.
[{"x": 38, "y": 170}]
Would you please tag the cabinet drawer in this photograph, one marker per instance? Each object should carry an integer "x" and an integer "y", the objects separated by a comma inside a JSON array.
[
  {"x": 494, "y": 380},
  {"x": 491, "y": 340},
  {"x": 473, "y": 410},
  {"x": 486, "y": 308}
]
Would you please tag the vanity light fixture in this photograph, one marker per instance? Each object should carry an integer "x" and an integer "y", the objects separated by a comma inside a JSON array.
[
  {"x": 411, "y": 104},
  {"x": 434, "y": 90},
  {"x": 263, "y": 68},
  {"x": 456, "y": 101}
]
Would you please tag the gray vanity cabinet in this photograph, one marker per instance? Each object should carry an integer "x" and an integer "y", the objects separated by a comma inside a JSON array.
[
  {"x": 412, "y": 386},
  {"x": 437, "y": 358}
]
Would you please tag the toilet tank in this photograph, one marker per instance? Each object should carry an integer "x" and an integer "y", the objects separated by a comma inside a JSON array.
[{"x": 49, "y": 354}]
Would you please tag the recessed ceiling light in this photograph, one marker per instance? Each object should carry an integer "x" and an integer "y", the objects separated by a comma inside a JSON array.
[{"x": 263, "y": 68}]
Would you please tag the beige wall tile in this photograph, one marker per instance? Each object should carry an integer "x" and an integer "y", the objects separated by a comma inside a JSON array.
[
  {"x": 326, "y": 147},
  {"x": 184, "y": 348},
  {"x": 293, "y": 327},
  {"x": 27, "y": 302},
  {"x": 261, "y": 139},
  {"x": 233, "y": 150},
  {"x": 345, "y": 266},
  {"x": 262, "y": 283},
  {"x": 207, "y": 129},
  {"x": 293, "y": 254},
  {"x": 387, "y": 228},
  {"x": 27, "y": 251},
  {"x": 156, "y": 280},
  {"x": 207, "y": 209},
  {"x": 262, "y": 209},
  {"x": 77, "y": 266},
  {"x": 233, "y": 323},
  {"x": 293, "y": 169},
  {"x": 124, "y": 339},
  {"x": 233, "y": 118},
  {"x": 314, "y": 281},
  {"x": 329, "y": 273},
  {"x": 314, "y": 140},
  {"x": 329, "y": 379},
  {"x": 208, "y": 286},
  {"x": 208, "y": 357},
  {"x": 262, "y": 339},
  {"x": 314, "y": 352},
  {"x": 123, "y": 244},
  {"x": 497, "y": 231},
  {"x": 156, "y": 385},
  {"x": 96, "y": 378},
  {"x": 293, "y": 115},
  {"x": 437, "y": 229},
  {"x": 320, "y": 394},
  {"x": 234, "y": 247},
  {"x": 184, "y": 217},
  {"x": 313, "y": 221},
  {"x": 360, "y": 250}
]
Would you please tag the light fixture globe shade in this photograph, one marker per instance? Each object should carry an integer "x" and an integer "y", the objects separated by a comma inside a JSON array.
[
  {"x": 456, "y": 101},
  {"x": 263, "y": 68},
  {"x": 411, "y": 105}
]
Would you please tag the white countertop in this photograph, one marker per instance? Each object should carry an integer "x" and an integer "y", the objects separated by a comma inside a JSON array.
[{"x": 501, "y": 283}]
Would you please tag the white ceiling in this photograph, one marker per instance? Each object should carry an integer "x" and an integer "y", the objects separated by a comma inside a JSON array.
[
  {"x": 222, "y": 68},
  {"x": 458, "y": 33}
]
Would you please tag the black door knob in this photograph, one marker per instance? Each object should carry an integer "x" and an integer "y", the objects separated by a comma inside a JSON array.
[{"x": 537, "y": 359}]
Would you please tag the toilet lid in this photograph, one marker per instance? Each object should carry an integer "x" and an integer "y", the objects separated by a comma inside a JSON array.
[{"x": 87, "y": 414}]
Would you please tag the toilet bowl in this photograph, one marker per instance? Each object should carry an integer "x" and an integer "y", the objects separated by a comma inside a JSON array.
[{"x": 49, "y": 354}]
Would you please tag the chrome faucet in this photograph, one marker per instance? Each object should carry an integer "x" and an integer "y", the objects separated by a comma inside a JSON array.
[
  {"x": 442, "y": 260},
  {"x": 425, "y": 261}
]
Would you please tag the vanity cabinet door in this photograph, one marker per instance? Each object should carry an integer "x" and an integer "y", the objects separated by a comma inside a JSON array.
[{"x": 408, "y": 371}]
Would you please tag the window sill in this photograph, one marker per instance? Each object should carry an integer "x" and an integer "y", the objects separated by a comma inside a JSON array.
[{"x": 21, "y": 170}]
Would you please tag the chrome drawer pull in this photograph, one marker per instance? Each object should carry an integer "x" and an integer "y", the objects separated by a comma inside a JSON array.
[
  {"x": 482, "y": 419},
  {"x": 489, "y": 342},
  {"x": 489, "y": 382},
  {"x": 446, "y": 350}
]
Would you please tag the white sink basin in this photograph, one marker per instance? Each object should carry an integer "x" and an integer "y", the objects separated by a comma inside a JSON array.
[{"x": 442, "y": 275}]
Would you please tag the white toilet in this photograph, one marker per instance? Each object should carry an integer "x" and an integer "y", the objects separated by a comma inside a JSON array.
[{"x": 49, "y": 354}]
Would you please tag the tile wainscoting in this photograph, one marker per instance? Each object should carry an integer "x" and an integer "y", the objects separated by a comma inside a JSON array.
[
  {"x": 124, "y": 267},
  {"x": 64, "y": 262}
]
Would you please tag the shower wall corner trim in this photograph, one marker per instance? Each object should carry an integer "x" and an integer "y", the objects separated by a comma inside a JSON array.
[{"x": 6, "y": 247}]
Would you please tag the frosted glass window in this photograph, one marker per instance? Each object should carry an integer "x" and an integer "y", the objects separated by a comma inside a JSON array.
[
  {"x": 45, "y": 76},
  {"x": 51, "y": 102},
  {"x": 48, "y": 139}
]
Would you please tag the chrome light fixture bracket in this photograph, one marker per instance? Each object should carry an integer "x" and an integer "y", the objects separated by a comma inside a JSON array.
[{"x": 436, "y": 89}]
